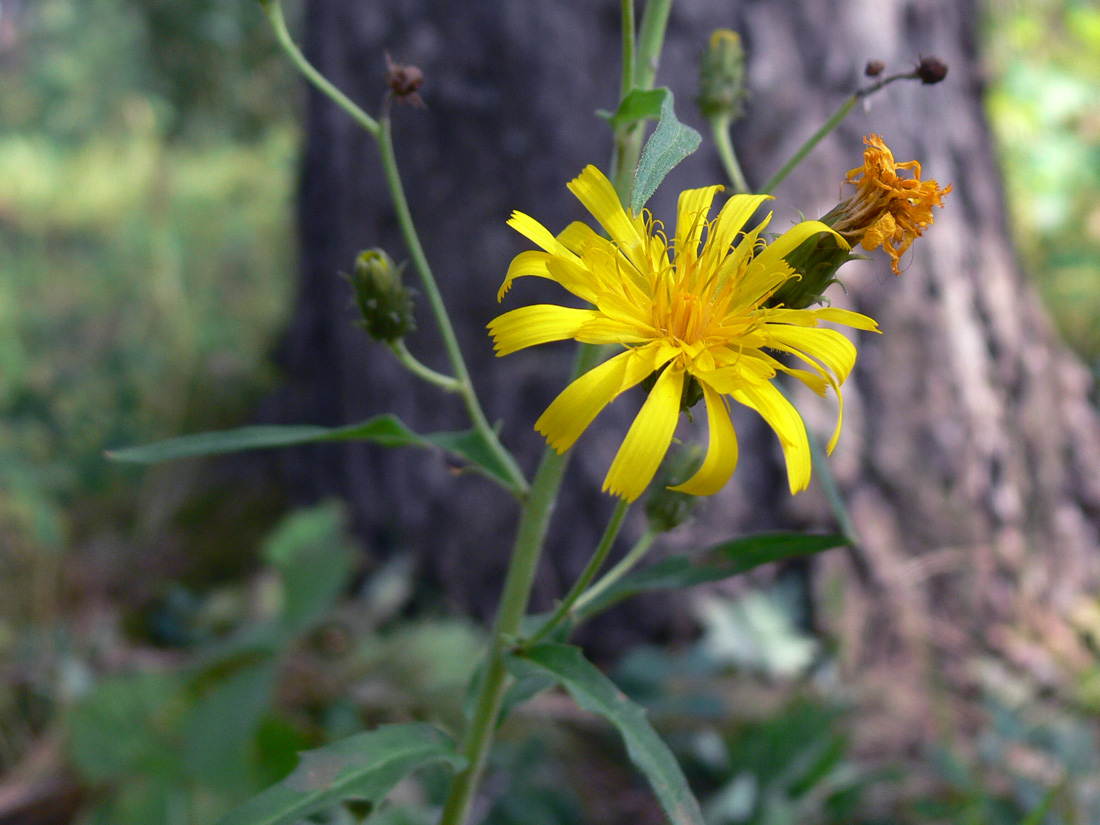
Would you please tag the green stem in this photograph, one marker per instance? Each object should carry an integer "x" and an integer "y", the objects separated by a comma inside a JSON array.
[
  {"x": 815, "y": 138},
  {"x": 651, "y": 39},
  {"x": 627, "y": 84},
  {"x": 625, "y": 565},
  {"x": 638, "y": 74},
  {"x": 720, "y": 127},
  {"x": 586, "y": 576},
  {"x": 536, "y": 509},
  {"x": 274, "y": 11},
  {"x": 435, "y": 300},
  {"x": 420, "y": 370},
  {"x": 830, "y": 124},
  {"x": 513, "y": 604}
]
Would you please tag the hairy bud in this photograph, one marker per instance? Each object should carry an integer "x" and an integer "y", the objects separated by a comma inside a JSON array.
[
  {"x": 722, "y": 77},
  {"x": 667, "y": 509},
  {"x": 383, "y": 301}
]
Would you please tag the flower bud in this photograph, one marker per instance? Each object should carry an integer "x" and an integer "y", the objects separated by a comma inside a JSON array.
[
  {"x": 931, "y": 70},
  {"x": 667, "y": 509},
  {"x": 722, "y": 77},
  {"x": 816, "y": 260},
  {"x": 874, "y": 68},
  {"x": 383, "y": 301}
]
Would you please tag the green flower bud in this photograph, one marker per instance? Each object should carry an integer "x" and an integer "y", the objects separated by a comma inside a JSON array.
[
  {"x": 816, "y": 261},
  {"x": 722, "y": 77},
  {"x": 384, "y": 303},
  {"x": 667, "y": 509}
]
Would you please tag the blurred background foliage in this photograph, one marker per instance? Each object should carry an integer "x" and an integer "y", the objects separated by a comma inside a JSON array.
[
  {"x": 148, "y": 154},
  {"x": 1043, "y": 63}
]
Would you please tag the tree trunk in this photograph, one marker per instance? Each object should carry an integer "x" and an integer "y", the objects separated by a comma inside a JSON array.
[{"x": 970, "y": 457}]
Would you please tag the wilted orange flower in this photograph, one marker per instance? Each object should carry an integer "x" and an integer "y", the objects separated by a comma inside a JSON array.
[{"x": 887, "y": 210}]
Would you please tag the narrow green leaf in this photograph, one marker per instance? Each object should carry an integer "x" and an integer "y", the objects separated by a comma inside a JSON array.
[
  {"x": 386, "y": 430},
  {"x": 363, "y": 767},
  {"x": 729, "y": 558},
  {"x": 640, "y": 104},
  {"x": 594, "y": 692},
  {"x": 669, "y": 144}
]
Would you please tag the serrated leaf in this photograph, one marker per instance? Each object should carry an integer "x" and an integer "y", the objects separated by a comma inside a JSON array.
[
  {"x": 669, "y": 144},
  {"x": 386, "y": 430},
  {"x": 594, "y": 692},
  {"x": 721, "y": 561},
  {"x": 640, "y": 104},
  {"x": 363, "y": 767}
]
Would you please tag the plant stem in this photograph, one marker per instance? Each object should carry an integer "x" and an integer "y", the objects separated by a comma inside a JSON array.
[
  {"x": 627, "y": 84},
  {"x": 435, "y": 300},
  {"x": 420, "y": 370},
  {"x": 535, "y": 516},
  {"x": 642, "y": 70},
  {"x": 830, "y": 124},
  {"x": 513, "y": 605},
  {"x": 274, "y": 11},
  {"x": 651, "y": 38},
  {"x": 586, "y": 576},
  {"x": 720, "y": 127},
  {"x": 625, "y": 565}
]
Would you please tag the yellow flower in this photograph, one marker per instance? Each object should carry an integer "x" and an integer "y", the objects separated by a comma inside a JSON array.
[
  {"x": 697, "y": 315},
  {"x": 887, "y": 210}
]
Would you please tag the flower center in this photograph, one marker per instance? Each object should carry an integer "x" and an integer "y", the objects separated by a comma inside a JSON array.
[{"x": 686, "y": 317}]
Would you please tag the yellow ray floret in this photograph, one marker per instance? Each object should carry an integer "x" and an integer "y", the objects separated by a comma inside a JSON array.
[{"x": 693, "y": 309}]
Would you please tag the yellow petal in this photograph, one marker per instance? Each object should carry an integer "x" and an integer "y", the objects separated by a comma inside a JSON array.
[
  {"x": 537, "y": 233},
  {"x": 784, "y": 419},
  {"x": 855, "y": 320},
  {"x": 575, "y": 236},
  {"x": 599, "y": 197},
  {"x": 828, "y": 346},
  {"x": 574, "y": 276},
  {"x": 731, "y": 220},
  {"x": 536, "y": 324},
  {"x": 531, "y": 262},
  {"x": 579, "y": 403},
  {"x": 790, "y": 240},
  {"x": 608, "y": 331},
  {"x": 721, "y": 458},
  {"x": 691, "y": 218},
  {"x": 648, "y": 438}
]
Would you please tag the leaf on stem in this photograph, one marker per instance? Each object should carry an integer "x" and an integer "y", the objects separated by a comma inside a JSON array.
[
  {"x": 639, "y": 105},
  {"x": 729, "y": 558},
  {"x": 386, "y": 430},
  {"x": 669, "y": 144},
  {"x": 364, "y": 767},
  {"x": 594, "y": 692}
]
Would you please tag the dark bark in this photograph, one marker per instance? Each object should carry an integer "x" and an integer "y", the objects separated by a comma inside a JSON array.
[{"x": 970, "y": 457}]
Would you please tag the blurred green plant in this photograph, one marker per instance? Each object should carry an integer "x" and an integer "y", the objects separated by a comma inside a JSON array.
[
  {"x": 1044, "y": 105},
  {"x": 135, "y": 268}
]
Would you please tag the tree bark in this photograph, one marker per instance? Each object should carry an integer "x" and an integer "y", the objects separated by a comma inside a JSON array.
[{"x": 970, "y": 457}]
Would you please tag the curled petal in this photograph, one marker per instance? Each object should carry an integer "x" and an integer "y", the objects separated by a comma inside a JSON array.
[
  {"x": 721, "y": 458},
  {"x": 784, "y": 419}
]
